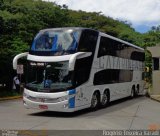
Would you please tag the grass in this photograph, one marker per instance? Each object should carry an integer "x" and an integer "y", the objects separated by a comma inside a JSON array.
[{"x": 4, "y": 93}]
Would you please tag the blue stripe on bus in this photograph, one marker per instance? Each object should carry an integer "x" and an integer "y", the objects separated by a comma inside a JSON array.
[
  {"x": 72, "y": 102},
  {"x": 72, "y": 99},
  {"x": 73, "y": 91}
]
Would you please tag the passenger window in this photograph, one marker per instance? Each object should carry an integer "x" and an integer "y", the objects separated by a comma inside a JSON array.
[
  {"x": 112, "y": 76},
  {"x": 115, "y": 48}
]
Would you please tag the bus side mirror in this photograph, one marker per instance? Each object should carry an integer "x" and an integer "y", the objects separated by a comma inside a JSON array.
[{"x": 17, "y": 57}]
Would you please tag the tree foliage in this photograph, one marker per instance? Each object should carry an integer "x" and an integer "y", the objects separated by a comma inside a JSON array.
[{"x": 20, "y": 20}]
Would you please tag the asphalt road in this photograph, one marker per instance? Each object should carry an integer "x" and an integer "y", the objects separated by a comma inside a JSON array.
[{"x": 138, "y": 113}]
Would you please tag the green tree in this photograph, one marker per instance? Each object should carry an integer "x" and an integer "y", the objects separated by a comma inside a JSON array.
[{"x": 20, "y": 20}]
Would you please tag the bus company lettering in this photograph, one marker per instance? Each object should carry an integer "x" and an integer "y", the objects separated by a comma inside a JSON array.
[{"x": 111, "y": 62}]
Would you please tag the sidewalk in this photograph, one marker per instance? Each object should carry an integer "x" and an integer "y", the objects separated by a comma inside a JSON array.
[
  {"x": 155, "y": 97},
  {"x": 149, "y": 91},
  {"x": 10, "y": 98}
]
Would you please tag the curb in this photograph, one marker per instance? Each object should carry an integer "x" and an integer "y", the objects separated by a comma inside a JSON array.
[
  {"x": 155, "y": 98},
  {"x": 10, "y": 98}
]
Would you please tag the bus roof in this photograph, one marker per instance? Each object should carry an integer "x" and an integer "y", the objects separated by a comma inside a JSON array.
[
  {"x": 66, "y": 28},
  {"x": 100, "y": 33}
]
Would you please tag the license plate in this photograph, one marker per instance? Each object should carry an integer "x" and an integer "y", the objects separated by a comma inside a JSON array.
[{"x": 43, "y": 107}]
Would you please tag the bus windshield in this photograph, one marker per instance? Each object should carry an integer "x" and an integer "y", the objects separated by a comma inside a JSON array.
[
  {"x": 58, "y": 42},
  {"x": 48, "y": 77}
]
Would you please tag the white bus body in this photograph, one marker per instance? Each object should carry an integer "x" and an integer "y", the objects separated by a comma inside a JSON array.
[{"x": 97, "y": 69}]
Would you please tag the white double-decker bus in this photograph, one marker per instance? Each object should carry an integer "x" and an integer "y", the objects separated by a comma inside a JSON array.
[{"x": 69, "y": 69}]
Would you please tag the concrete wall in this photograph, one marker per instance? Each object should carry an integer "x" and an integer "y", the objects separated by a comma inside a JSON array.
[
  {"x": 155, "y": 51},
  {"x": 156, "y": 82}
]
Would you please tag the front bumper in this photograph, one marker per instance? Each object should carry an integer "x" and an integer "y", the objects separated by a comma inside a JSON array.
[
  {"x": 60, "y": 106},
  {"x": 62, "y": 101}
]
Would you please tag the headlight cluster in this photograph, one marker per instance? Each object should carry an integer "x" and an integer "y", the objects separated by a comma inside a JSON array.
[
  {"x": 63, "y": 98},
  {"x": 45, "y": 100}
]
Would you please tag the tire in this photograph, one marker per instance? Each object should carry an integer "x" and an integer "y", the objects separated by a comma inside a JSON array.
[
  {"x": 133, "y": 94},
  {"x": 95, "y": 101},
  {"x": 105, "y": 99}
]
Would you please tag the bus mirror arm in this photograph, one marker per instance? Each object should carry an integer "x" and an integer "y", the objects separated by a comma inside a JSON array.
[
  {"x": 17, "y": 57},
  {"x": 77, "y": 55}
]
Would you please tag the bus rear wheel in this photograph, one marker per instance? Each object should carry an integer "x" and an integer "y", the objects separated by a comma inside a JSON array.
[
  {"x": 95, "y": 101},
  {"x": 105, "y": 99},
  {"x": 133, "y": 93}
]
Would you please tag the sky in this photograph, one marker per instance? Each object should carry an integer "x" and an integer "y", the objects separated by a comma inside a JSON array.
[{"x": 142, "y": 14}]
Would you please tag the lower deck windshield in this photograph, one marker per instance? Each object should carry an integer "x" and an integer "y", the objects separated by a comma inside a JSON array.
[{"x": 48, "y": 77}]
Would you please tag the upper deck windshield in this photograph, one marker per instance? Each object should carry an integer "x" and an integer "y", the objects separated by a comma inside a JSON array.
[{"x": 56, "y": 42}]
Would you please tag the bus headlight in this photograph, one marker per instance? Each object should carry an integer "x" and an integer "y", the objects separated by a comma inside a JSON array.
[{"x": 63, "y": 98}]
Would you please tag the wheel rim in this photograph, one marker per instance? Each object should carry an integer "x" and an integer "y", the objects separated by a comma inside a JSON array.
[
  {"x": 104, "y": 99},
  {"x": 94, "y": 101}
]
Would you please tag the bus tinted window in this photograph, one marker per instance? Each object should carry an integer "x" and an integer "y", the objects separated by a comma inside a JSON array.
[
  {"x": 106, "y": 47},
  {"x": 118, "y": 49},
  {"x": 82, "y": 70},
  {"x": 138, "y": 56},
  {"x": 88, "y": 41},
  {"x": 110, "y": 76}
]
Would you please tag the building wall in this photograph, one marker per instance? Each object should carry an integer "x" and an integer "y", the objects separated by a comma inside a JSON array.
[{"x": 155, "y": 51}]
